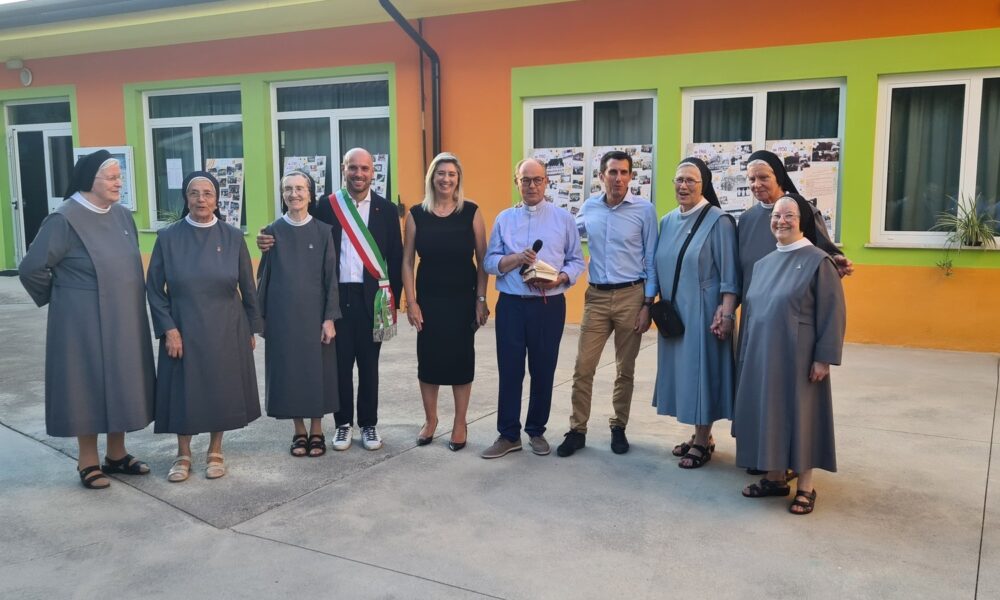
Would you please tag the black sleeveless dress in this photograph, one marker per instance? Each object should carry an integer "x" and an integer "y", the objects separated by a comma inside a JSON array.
[{"x": 446, "y": 292}]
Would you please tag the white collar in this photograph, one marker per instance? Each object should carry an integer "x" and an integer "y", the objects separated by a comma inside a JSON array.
[
  {"x": 794, "y": 245},
  {"x": 367, "y": 198},
  {"x": 766, "y": 206},
  {"x": 535, "y": 208},
  {"x": 191, "y": 221},
  {"x": 295, "y": 223},
  {"x": 687, "y": 213},
  {"x": 90, "y": 205}
]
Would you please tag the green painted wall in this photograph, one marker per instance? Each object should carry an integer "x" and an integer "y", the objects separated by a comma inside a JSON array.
[
  {"x": 859, "y": 62},
  {"x": 259, "y": 180},
  {"x": 8, "y": 260}
]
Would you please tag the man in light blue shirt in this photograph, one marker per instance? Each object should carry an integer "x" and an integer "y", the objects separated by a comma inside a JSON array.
[
  {"x": 621, "y": 235},
  {"x": 529, "y": 316}
]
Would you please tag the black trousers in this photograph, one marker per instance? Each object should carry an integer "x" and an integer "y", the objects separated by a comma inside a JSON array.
[{"x": 355, "y": 346}]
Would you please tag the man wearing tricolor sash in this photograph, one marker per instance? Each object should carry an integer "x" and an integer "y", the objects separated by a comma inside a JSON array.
[{"x": 366, "y": 231}]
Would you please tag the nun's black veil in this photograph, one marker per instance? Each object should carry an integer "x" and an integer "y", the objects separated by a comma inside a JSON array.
[
  {"x": 187, "y": 181},
  {"x": 85, "y": 171},
  {"x": 780, "y": 174},
  {"x": 707, "y": 189}
]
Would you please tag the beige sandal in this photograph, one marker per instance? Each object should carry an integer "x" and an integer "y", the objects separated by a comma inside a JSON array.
[
  {"x": 179, "y": 471},
  {"x": 215, "y": 468}
]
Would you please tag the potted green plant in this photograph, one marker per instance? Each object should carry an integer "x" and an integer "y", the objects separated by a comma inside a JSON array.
[{"x": 967, "y": 227}]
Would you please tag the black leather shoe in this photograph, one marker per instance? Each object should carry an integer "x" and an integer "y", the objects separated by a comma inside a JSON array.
[
  {"x": 619, "y": 443},
  {"x": 455, "y": 446},
  {"x": 423, "y": 441},
  {"x": 573, "y": 442}
]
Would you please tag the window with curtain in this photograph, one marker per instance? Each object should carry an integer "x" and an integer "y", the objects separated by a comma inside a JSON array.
[
  {"x": 569, "y": 133},
  {"x": 940, "y": 151},
  {"x": 723, "y": 120},
  {"x": 186, "y": 130},
  {"x": 327, "y": 118},
  {"x": 925, "y": 151}
]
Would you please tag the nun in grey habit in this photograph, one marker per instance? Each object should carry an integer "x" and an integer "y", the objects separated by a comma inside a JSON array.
[
  {"x": 795, "y": 321},
  {"x": 299, "y": 300},
  {"x": 85, "y": 265},
  {"x": 203, "y": 301},
  {"x": 695, "y": 375}
]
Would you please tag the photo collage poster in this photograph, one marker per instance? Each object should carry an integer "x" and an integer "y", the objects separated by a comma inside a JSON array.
[
  {"x": 229, "y": 173},
  {"x": 380, "y": 179},
  {"x": 565, "y": 170},
  {"x": 642, "y": 169},
  {"x": 728, "y": 163},
  {"x": 314, "y": 165},
  {"x": 814, "y": 167}
]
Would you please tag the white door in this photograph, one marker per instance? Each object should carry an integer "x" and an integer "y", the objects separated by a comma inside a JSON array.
[{"x": 41, "y": 164}]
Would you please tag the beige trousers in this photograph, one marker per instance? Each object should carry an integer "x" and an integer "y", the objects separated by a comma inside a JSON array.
[{"x": 604, "y": 313}]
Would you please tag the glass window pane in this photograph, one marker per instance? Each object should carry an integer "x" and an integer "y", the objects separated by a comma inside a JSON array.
[
  {"x": 42, "y": 112},
  {"x": 988, "y": 173},
  {"x": 623, "y": 122},
  {"x": 171, "y": 143},
  {"x": 558, "y": 127},
  {"x": 307, "y": 137},
  {"x": 224, "y": 140},
  {"x": 336, "y": 95},
  {"x": 925, "y": 146},
  {"x": 195, "y": 105},
  {"x": 723, "y": 120},
  {"x": 803, "y": 114},
  {"x": 60, "y": 163}
]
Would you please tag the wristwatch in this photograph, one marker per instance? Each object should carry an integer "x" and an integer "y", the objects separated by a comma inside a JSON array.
[
  {"x": 481, "y": 298},
  {"x": 647, "y": 302},
  {"x": 730, "y": 316}
]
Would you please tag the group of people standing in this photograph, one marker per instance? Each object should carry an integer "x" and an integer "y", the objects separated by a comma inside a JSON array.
[{"x": 328, "y": 285}]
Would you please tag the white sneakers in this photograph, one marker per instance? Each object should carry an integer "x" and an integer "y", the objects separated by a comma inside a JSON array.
[
  {"x": 370, "y": 438},
  {"x": 342, "y": 439}
]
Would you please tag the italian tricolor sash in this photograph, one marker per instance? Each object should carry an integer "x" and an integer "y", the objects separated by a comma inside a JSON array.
[{"x": 384, "y": 327}]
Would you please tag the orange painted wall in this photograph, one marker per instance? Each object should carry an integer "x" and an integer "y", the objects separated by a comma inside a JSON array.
[{"x": 478, "y": 52}]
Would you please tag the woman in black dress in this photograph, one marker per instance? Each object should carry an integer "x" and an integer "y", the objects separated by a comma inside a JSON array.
[{"x": 446, "y": 301}]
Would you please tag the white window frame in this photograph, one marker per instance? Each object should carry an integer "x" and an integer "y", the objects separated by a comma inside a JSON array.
[
  {"x": 969, "y": 155},
  {"x": 586, "y": 102},
  {"x": 758, "y": 92},
  {"x": 336, "y": 115},
  {"x": 194, "y": 123}
]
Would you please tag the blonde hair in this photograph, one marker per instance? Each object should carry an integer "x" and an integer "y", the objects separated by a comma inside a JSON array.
[{"x": 458, "y": 195}]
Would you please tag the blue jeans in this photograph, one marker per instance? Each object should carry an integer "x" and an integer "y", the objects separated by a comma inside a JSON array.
[{"x": 527, "y": 327}]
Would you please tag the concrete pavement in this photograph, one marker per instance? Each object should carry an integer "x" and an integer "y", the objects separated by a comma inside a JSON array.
[{"x": 913, "y": 513}]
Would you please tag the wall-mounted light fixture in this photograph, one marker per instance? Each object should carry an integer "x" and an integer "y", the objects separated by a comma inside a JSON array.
[{"x": 16, "y": 63}]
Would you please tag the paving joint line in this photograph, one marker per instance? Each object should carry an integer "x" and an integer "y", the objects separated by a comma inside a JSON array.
[
  {"x": 367, "y": 564},
  {"x": 50, "y": 555},
  {"x": 986, "y": 492},
  {"x": 921, "y": 433}
]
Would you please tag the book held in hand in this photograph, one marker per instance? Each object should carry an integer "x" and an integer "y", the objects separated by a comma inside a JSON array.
[{"x": 540, "y": 271}]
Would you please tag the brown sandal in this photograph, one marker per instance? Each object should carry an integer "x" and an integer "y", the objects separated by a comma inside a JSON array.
[{"x": 807, "y": 505}]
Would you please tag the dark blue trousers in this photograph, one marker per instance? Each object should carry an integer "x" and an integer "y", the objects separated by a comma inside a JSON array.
[{"x": 527, "y": 327}]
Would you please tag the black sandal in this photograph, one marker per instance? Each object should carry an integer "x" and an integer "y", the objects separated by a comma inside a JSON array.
[
  {"x": 806, "y": 506},
  {"x": 89, "y": 476},
  {"x": 126, "y": 465},
  {"x": 681, "y": 449},
  {"x": 299, "y": 443},
  {"x": 765, "y": 488},
  {"x": 317, "y": 441},
  {"x": 696, "y": 459}
]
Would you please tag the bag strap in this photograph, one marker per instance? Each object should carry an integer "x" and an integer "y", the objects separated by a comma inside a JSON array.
[{"x": 680, "y": 257}]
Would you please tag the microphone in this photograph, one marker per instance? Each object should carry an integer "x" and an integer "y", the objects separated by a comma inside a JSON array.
[{"x": 534, "y": 248}]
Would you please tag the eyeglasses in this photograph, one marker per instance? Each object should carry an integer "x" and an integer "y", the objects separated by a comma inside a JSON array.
[
  {"x": 686, "y": 181},
  {"x": 529, "y": 181},
  {"x": 298, "y": 189},
  {"x": 785, "y": 216},
  {"x": 195, "y": 194},
  {"x": 114, "y": 179}
]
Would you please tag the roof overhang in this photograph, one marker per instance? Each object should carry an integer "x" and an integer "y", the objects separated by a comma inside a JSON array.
[{"x": 61, "y": 28}]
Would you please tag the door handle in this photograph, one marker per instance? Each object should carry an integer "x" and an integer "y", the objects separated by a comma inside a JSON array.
[{"x": 13, "y": 204}]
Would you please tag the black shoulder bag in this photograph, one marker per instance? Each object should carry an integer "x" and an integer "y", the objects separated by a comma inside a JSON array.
[{"x": 664, "y": 313}]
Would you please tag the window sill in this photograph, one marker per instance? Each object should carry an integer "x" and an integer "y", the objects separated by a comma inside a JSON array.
[{"x": 925, "y": 246}]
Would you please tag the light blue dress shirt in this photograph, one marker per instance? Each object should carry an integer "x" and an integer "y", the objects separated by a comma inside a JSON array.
[
  {"x": 621, "y": 240},
  {"x": 517, "y": 228}
]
